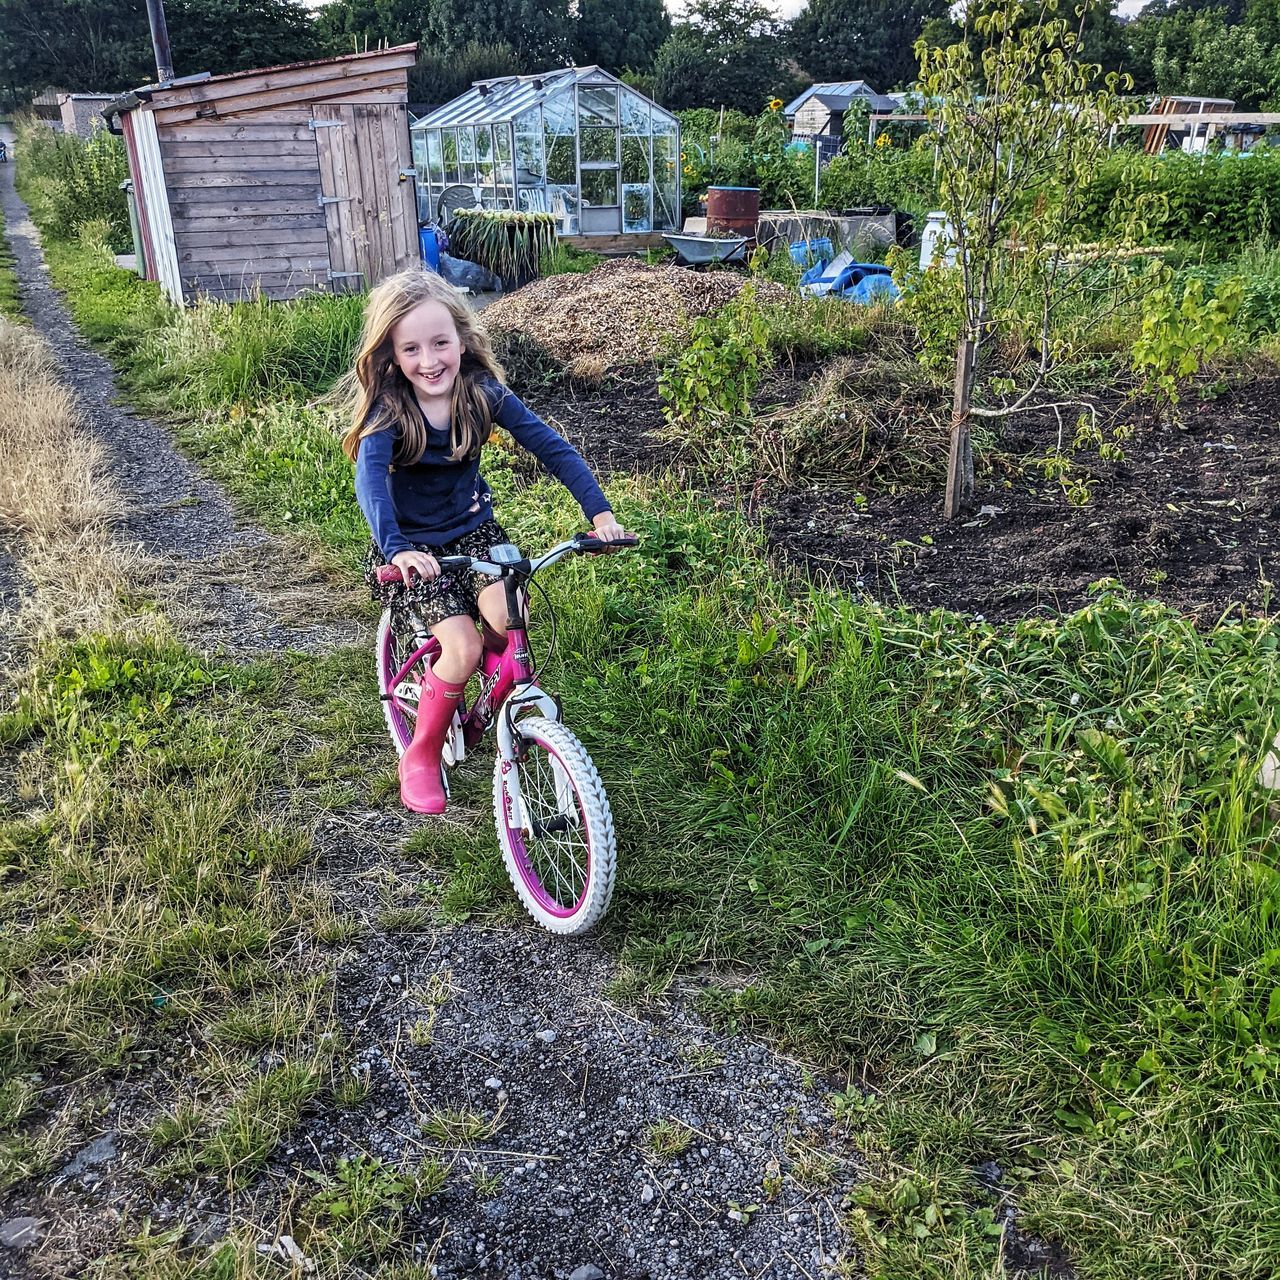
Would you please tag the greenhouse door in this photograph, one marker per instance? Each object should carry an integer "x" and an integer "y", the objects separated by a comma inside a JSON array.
[
  {"x": 599, "y": 166},
  {"x": 601, "y": 204}
]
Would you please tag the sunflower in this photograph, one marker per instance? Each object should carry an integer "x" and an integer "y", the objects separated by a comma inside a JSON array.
[{"x": 775, "y": 104}]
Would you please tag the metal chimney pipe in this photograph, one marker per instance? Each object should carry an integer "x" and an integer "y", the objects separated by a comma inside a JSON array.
[{"x": 160, "y": 40}]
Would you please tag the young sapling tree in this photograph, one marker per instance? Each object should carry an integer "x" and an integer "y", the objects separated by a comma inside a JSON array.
[{"x": 1021, "y": 126}]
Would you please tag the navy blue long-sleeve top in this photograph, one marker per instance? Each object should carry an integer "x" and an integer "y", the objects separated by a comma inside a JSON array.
[{"x": 434, "y": 500}]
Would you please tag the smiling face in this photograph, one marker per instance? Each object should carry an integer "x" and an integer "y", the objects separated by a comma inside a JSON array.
[{"x": 427, "y": 350}]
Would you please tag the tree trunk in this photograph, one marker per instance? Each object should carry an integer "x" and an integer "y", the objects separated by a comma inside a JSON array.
[{"x": 960, "y": 463}]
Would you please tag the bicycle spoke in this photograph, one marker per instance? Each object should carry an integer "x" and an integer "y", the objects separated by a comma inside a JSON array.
[{"x": 557, "y": 857}]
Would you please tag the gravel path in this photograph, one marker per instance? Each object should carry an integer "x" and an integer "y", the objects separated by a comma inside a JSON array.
[
  {"x": 175, "y": 511},
  {"x": 510, "y": 1023}
]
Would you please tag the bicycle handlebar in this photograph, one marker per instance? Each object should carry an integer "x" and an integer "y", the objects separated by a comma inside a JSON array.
[{"x": 581, "y": 543}]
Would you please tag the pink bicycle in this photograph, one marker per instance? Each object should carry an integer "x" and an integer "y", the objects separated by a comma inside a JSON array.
[{"x": 554, "y": 824}]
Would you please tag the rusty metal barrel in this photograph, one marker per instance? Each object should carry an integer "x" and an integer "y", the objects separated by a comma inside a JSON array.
[{"x": 733, "y": 211}]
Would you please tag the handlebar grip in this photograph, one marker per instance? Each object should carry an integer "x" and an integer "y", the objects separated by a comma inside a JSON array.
[
  {"x": 391, "y": 573},
  {"x": 592, "y": 542}
]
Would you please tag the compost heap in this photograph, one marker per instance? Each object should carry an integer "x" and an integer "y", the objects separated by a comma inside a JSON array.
[{"x": 616, "y": 314}]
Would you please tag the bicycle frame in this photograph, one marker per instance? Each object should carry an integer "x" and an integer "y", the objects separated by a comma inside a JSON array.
[{"x": 507, "y": 685}]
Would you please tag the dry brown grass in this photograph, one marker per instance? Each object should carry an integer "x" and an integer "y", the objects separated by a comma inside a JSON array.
[
  {"x": 55, "y": 496},
  {"x": 51, "y": 480},
  {"x": 865, "y": 421}
]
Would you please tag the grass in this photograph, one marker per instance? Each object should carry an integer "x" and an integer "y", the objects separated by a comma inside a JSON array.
[
  {"x": 564, "y": 259},
  {"x": 9, "y": 300},
  {"x": 460, "y": 1127},
  {"x": 1015, "y": 882},
  {"x": 147, "y": 927},
  {"x": 666, "y": 1139},
  {"x": 358, "y": 1213}
]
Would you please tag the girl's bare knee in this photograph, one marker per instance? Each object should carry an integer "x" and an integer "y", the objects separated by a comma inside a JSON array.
[{"x": 460, "y": 645}]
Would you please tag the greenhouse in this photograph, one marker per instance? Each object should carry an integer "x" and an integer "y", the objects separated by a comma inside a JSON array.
[{"x": 576, "y": 143}]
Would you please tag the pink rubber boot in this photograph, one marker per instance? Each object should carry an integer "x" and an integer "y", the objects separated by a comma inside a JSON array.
[{"x": 421, "y": 786}]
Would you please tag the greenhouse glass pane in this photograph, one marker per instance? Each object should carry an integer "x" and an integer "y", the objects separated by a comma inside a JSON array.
[
  {"x": 635, "y": 114},
  {"x": 635, "y": 207},
  {"x": 435, "y": 157},
  {"x": 467, "y": 153},
  {"x": 449, "y": 141},
  {"x": 600, "y": 186},
  {"x": 529, "y": 121},
  {"x": 484, "y": 156},
  {"x": 505, "y": 198},
  {"x": 557, "y": 115},
  {"x": 559, "y": 142},
  {"x": 502, "y": 153},
  {"x": 529, "y": 168},
  {"x": 562, "y": 160},
  {"x": 563, "y": 202},
  {"x": 597, "y": 107},
  {"x": 665, "y": 174},
  {"x": 598, "y": 145},
  {"x": 635, "y": 159}
]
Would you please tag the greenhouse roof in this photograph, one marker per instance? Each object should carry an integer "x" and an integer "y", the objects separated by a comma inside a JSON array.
[{"x": 495, "y": 101}]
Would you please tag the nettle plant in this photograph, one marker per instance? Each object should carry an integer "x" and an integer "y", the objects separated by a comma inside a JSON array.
[
  {"x": 1021, "y": 129},
  {"x": 710, "y": 382}
]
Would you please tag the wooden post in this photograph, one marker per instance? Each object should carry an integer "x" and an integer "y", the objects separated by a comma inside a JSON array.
[{"x": 960, "y": 461}]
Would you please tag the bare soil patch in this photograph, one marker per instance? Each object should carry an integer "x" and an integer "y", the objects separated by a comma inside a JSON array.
[{"x": 1188, "y": 516}]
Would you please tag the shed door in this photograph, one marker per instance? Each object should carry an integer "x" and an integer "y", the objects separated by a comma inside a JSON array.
[{"x": 370, "y": 211}]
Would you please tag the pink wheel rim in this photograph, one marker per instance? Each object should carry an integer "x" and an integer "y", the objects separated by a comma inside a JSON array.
[
  {"x": 390, "y": 663},
  {"x": 533, "y": 881}
]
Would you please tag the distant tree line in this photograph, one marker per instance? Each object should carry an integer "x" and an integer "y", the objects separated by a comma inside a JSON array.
[{"x": 732, "y": 53}]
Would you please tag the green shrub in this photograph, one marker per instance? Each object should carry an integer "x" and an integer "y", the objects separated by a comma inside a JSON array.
[
  {"x": 717, "y": 368},
  {"x": 1222, "y": 202},
  {"x": 1181, "y": 329},
  {"x": 68, "y": 181},
  {"x": 886, "y": 173}
]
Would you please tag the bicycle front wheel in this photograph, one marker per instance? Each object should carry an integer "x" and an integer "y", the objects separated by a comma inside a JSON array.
[{"x": 561, "y": 852}]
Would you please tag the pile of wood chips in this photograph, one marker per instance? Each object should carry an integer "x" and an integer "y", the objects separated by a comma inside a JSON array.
[{"x": 618, "y": 313}]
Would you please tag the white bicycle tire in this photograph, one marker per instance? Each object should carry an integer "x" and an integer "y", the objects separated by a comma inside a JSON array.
[{"x": 591, "y": 803}]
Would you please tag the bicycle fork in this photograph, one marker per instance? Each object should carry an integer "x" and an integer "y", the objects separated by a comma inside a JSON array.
[{"x": 530, "y": 699}]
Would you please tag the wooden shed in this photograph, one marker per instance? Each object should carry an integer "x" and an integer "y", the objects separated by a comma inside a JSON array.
[{"x": 274, "y": 181}]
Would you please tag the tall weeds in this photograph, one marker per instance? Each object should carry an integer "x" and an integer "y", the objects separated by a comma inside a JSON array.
[{"x": 69, "y": 181}]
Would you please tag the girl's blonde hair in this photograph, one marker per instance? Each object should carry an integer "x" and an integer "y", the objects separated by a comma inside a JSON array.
[{"x": 376, "y": 395}]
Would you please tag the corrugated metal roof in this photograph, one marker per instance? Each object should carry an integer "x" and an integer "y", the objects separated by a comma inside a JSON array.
[
  {"x": 844, "y": 90},
  {"x": 496, "y": 101}
]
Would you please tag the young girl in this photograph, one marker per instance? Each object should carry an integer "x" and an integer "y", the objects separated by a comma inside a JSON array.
[{"x": 424, "y": 395}]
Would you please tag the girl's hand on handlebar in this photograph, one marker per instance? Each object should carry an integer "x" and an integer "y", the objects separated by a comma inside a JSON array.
[
  {"x": 607, "y": 527},
  {"x": 411, "y": 562}
]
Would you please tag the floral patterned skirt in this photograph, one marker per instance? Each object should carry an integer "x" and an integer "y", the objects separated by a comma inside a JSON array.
[{"x": 453, "y": 593}]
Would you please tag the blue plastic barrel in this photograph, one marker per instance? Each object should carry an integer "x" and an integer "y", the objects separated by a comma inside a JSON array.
[{"x": 430, "y": 247}]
